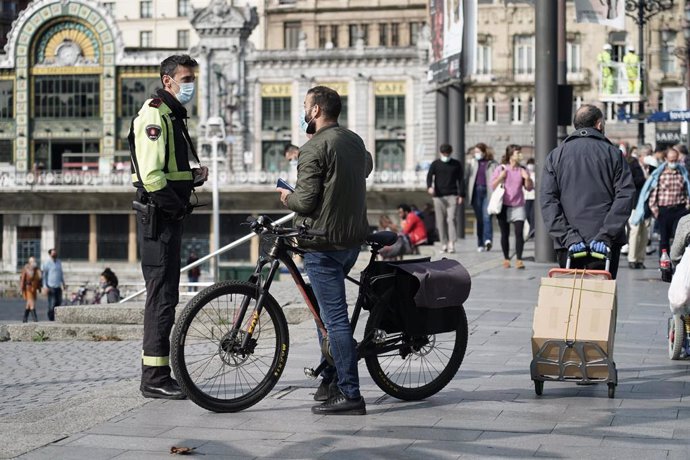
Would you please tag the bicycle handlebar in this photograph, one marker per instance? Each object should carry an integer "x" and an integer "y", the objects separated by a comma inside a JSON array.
[{"x": 264, "y": 225}]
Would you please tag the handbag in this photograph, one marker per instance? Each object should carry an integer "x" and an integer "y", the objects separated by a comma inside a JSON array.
[{"x": 496, "y": 200}]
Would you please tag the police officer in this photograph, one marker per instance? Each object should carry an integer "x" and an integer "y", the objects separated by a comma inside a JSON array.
[{"x": 165, "y": 169}]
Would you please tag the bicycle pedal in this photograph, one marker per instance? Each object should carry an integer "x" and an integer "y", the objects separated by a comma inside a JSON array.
[{"x": 311, "y": 373}]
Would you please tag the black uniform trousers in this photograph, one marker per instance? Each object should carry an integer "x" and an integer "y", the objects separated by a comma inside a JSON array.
[{"x": 160, "y": 264}]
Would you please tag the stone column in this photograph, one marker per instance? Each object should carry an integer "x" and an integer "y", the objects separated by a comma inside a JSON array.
[
  {"x": 93, "y": 238},
  {"x": 132, "y": 240}
]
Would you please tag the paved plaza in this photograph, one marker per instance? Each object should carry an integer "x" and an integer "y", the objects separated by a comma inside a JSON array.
[{"x": 81, "y": 399}]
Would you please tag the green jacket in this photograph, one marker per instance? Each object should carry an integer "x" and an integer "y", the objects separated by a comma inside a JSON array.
[{"x": 330, "y": 193}]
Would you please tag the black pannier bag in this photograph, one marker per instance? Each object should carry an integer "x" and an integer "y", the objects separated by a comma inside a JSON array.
[{"x": 420, "y": 296}]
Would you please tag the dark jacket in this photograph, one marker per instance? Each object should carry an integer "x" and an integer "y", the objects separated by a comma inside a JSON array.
[
  {"x": 446, "y": 178},
  {"x": 330, "y": 193},
  {"x": 637, "y": 177},
  {"x": 586, "y": 191}
]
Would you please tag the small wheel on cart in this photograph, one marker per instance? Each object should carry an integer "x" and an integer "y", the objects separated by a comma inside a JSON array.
[
  {"x": 538, "y": 387},
  {"x": 676, "y": 334},
  {"x": 612, "y": 390}
]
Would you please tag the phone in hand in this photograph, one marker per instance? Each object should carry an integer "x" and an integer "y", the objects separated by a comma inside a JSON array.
[{"x": 282, "y": 184}]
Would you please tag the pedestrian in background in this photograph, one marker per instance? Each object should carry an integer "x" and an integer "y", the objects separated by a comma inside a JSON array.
[
  {"x": 530, "y": 195},
  {"x": 412, "y": 234},
  {"x": 164, "y": 184},
  {"x": 637, "y": 233},
  {"x": 330, "y": 195},
  {"x": 29, "y": 284},
  {"x": 291, "y": 153},
  {"x": 478, "y": 171},
  {"x": 666, "y": 193},
  {"x": 514, "y": 178},
  {"x": 193, "y": 274},
  {"x": 108, "y": 290},
  {"x": 53, "y": 282},
  {"x": 586, "y": 193},
  {"x": 446, "y": 185}
]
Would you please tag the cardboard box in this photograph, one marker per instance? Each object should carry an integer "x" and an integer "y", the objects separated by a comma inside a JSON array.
[{"x": 577, "y": 310}]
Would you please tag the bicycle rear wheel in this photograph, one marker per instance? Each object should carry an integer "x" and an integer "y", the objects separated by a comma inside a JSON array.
[
  {"x": 206, "y": 357},
  {"x": 414, "y": 367}
]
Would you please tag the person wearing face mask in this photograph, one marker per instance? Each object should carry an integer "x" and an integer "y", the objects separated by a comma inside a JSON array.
[
  {"x": 53, "y": 282},
  {"x": 108, "y": 291},
  {"x": 29, "y": 284},
  {"x": 330, "y": 195},
  {"x": 513, "y": 177},
  {"x": 478, "y": 171},
  {"x": 586, "y": 193},
  {"x": 165, "y": 169},
  {"x": 291, "y": 153},
  {"x": 446, "y": 185},
  {"x": 666, "y": 193}
]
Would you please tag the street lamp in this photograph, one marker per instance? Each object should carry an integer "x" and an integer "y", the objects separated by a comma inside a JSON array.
[{"x": 215, "y": 133}]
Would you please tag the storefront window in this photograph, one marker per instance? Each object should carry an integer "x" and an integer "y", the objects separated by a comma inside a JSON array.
[{"x": 67, "y": 96}]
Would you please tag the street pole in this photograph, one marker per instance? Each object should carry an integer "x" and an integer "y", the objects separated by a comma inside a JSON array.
[
  {"x": 546, "y": 110},
  {"x": 216, "y": 206},
  {"x": 562, "y": 59},
  {"x": 643, "y": 88}
]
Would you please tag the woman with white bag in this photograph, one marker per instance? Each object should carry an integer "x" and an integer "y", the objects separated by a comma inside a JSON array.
[{"x": 512, "y": 176}]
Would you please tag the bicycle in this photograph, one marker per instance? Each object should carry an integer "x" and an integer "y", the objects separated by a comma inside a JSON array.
[{"x": 227, "y": 357}]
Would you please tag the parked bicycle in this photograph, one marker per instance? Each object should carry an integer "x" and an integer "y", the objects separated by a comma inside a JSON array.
[{"x": 230, "y": 344}]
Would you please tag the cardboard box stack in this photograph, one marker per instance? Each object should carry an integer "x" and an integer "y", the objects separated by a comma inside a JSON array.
[{"x": 575, "y": 309}]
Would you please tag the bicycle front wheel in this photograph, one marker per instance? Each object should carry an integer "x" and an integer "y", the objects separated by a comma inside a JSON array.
[
  {"x": 414, "y": 367},
  {"x": 208, "y": 359}
]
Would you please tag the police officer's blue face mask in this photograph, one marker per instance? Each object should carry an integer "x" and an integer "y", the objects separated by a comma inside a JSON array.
[{"x": 186, "y": 91}]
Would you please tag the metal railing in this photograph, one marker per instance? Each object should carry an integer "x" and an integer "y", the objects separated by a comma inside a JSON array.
[{"x": 220, "y": 251}]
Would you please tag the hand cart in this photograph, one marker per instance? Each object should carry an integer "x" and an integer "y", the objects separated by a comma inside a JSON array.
[{"x": 590, "y": 356}]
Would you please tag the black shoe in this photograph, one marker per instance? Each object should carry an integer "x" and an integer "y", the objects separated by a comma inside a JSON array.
[
  {"x": 326, "y": 390},
  {"x": 632, "y": 265},
  {"x": 341, "y": 405},
  {"x": 168, "y": 390},
  {"x": 639, "y": 265},
  {"x": 487, "y": 245}
]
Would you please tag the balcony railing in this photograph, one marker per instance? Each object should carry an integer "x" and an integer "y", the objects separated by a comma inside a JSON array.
[{"x": 92, "y": 178}]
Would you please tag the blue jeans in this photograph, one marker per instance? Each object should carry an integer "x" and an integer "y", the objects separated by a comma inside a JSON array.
[
  {"x": 480, "y": 204},
  {"x": 327, "y": 272},
  {"x": 54, "y": 300}
]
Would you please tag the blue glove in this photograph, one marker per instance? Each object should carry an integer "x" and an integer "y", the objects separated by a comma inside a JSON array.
[
  {"x": 577, "y": 247},
  {"x": 599, "y": 247}
]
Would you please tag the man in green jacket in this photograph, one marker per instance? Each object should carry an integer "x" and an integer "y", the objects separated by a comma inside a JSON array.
[{"x": 330, "y": 195}]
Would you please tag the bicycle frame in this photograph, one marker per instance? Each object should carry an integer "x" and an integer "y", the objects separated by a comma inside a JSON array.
[{"x": 280, "y": 252}]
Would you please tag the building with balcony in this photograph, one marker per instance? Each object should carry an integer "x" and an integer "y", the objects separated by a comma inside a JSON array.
[{"x": 500, "y": 95}]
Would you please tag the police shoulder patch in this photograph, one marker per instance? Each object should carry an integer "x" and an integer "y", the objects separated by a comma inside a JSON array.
[
  {"x": 153, "y": 132},
  {"x": 156, "y": 102}
]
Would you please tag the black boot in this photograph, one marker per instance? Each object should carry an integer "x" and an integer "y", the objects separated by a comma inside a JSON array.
[
  {"x": 26, "y": 315},
  {"x": 33, "y": 315}
]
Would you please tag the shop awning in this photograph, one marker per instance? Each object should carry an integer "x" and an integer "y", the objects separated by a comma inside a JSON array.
[{"x": 672, "y": 115}]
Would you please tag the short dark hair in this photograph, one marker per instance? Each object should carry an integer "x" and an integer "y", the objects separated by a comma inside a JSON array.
[
  {"x": 445, "y": 148},
  {"x": 328, "y": 100},
  {"x": 170, "y": 64},
  {"x": 289, "y": 147},
  {"x": 405, "y": 207},
  {"x": 587, "y": 116}
]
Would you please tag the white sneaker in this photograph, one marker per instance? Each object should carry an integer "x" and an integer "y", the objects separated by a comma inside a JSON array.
[
  {"x": 625, "y": 249},
  {"x": 444, "y": 248},
  {"x": 649, "y": 250},
  {"x": 480, "y": 249},
  {"x": 487, "y": 245},
  {"x": 451, "y": 249}
]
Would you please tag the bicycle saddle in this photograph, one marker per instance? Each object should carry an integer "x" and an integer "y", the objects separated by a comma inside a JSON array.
[{"x": 384, "y": 238}]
